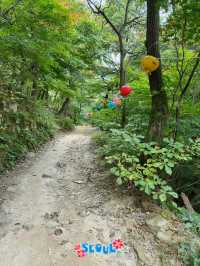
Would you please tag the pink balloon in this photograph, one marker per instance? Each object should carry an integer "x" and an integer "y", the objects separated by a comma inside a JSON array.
[{"x": 117, "y": 101}]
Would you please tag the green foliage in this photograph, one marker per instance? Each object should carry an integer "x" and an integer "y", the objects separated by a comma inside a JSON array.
[
  {"x": 66, "y": 123},
  {"x": 147, "y": 165},
  {"x": 189, "y": 251},
  {"x": 48, "y": 47},
  {"x": 191, "y": 220},
  {"x": 99, "y": 138},
  {"x": 24, "y": 132},
  {"x": 185, "y": 11},
  {"x": 106, "y": 119},
  {"x": 186, "y": 179},
  {"x": 190, "y": 254}
]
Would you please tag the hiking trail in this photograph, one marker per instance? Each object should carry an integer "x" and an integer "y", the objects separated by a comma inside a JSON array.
[{"x": 61, "y": 196}]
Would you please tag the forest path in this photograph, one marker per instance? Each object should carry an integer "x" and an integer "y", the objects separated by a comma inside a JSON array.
[{"x": 60, "y": 197}]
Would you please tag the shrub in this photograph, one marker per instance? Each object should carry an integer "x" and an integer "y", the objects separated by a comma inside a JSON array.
[
  {"x": 24, "y": 130},
  {"x": 66, "y": 123},
  {"x": 191, "y": 220},
  {"x": 106, "y": 119},
  {"x": 99, "y": 138},
  {"x": 146, "y": 165},
  {"x": 190, "y": 253}
]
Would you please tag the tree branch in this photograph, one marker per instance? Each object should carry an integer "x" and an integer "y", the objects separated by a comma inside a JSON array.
[
  {"x": 134, "y": 20},
  {"x": 191, "y": 76},
  {"x": 183, "y": 92},
  {"x": 126, "y": 22},
  {"x": 126, "y": 11},
  {"x": 98, "y": 11}
]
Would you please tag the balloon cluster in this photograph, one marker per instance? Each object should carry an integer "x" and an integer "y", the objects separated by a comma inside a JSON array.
[
  {"x": 149, "y": 64},
  {"x": 124, "y": 91}
]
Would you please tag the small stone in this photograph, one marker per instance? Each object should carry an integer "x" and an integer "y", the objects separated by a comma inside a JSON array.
[
  {"x": 129, "y": 230},
  {"x": 157, "y": 223},
  {"x": 46, "y": 176},
  {"x": 58, "y": 232},
  {"x": 27, "y": 227},
  {"x": 60, "y": 164},
  {"x": 52, "y": 216},
  {"x": 82, "y": 214},
  {"x": 79, "y": 182},
  {"x": 112, "y": 234},
  {"x": 165, "y": 236},
  {"x": 47, "y": 216}
]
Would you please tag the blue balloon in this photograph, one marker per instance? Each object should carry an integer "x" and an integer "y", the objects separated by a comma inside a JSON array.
[{"x": 111, "y": 105}]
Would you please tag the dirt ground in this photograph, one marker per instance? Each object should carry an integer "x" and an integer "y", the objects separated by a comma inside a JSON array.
[{"x": 61, "y": 197}]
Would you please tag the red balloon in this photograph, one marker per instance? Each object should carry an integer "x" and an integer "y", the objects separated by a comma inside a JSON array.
[{"x": 125, "y": 90}]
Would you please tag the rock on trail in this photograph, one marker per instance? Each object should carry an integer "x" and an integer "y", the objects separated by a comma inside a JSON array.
[{"x": 61, "y": 197}]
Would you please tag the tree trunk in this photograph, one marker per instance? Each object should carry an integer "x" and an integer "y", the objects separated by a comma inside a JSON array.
[
  {"x": 64, "y": 108},
  {"x": 122, "y": 57},
  {"x": 159, "y": 110},
  {"x": 122, "y": 79}
]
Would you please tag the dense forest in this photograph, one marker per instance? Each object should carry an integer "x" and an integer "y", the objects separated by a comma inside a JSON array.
[{"x": 129, "y": 68}]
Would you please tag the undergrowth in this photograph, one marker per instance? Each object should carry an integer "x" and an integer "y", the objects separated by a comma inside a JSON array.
[
  {"x": 147, "y": 165},
  {"x": 25, "y": 128}
]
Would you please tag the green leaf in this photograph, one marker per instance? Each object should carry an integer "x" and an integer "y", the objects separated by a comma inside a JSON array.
[
  {"x": 168, "y": 170},
  {"x": 162, "y": 197},
  {"x": 171, "y": 164},
  {"x": 119, "y": 181}
]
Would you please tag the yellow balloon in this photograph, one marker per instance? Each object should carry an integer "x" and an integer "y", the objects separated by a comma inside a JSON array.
[{"x": 150, "y": 63}]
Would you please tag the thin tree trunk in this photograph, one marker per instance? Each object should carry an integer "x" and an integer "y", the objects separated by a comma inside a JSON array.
[
  {"x": 97, "y": 9},
  {"x": 183, "y": 93},
  {"x": 122, "y": 76},
  {"x": 64, "y": 108},
  {"x": 159, "y": 110},
  {"x": 122, "y": 57}
]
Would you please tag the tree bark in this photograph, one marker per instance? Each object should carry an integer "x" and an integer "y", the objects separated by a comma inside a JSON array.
[
  {"x": 122, "y": 76},
  {"x": 64, "y": 108},
  {"x": 122, "y": 58},
  {"x": 159, "y": 110}
]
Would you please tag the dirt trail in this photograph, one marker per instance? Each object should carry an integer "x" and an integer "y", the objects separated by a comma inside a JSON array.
[{"x": 60, "y": 198}]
